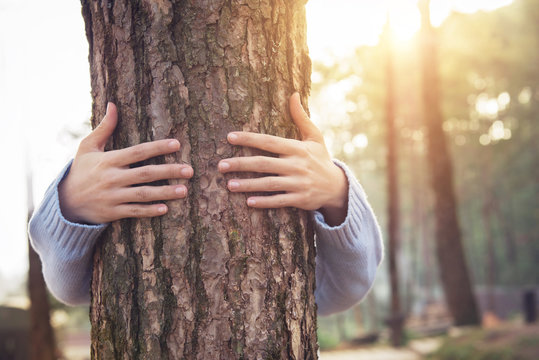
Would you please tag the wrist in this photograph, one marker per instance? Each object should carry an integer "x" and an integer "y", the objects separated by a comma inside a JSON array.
[
  {"x": 336, "y": 208},
  {"x": 66, "y": 207}
]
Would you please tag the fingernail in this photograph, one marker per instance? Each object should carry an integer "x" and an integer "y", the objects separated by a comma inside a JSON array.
[
  {"x": 251, "y": 202},
  {"x": 108, "y": 107},
  {"x": 232, "y": 137},
  {"x": 162, "y": 209},
  {"x": 173, "y": 144},
  {"x": 186, "y": 171},
  {"x": 233, "y": 185},
  {"x": 180, "y": 190},
  {"x": 223, "y": 165}
]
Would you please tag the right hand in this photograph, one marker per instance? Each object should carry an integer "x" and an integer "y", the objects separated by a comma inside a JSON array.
[{"x": 98, "y": 188}]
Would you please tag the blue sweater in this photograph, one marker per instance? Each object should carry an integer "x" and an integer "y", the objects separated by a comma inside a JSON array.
[{"x": 346, "y": 261}]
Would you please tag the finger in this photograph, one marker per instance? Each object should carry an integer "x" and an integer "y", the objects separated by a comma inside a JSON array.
[
  {"x": 259, "y": 164},
  {"x": 139, "y": 211},
  {"x": 143, "y": 151},
  {"x": 149, "y": 173},
  {"x": 100, "y": 135},
  {"x": 306, "y": 127},
  {"x": 267, "y": 183},
  {"x": 274, "y": 201},
  {"x": 141, "y": 194},
  {"x": 270, "y": 143}
]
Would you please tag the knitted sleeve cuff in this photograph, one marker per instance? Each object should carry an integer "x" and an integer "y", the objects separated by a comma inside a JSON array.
[
  {"x": 346, "y": 235},
  {"x": 52, "y": 233}
]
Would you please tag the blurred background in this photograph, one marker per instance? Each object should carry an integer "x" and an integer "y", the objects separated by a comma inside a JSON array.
[{"x": 384, "y": 74}]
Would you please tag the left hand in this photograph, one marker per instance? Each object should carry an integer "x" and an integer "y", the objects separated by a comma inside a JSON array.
[{"x": 304, "y": 172}]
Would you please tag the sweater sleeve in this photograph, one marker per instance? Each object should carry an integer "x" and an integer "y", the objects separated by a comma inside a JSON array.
[
  {"x": 348, "y": 255},
  {"x": 346, "y": 261},
  {"x": 65, "y": 248}
]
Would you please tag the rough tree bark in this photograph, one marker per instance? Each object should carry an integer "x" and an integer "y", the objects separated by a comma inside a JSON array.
[
  {"x": 450, "y": 253},
  {"x": 211, "y": 279}
]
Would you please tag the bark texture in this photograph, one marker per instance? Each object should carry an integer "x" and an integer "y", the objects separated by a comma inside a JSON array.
[
  {"x": 450, "y": 253},
  {"x": 211, "y": 279}
]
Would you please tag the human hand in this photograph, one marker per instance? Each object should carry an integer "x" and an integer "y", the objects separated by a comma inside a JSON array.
[
  {"x": 305, "y": 175},
  {"x": 98, "y": 187}
]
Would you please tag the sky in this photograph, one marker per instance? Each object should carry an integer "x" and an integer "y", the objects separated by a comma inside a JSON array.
[{"x": 45, "y": 89}]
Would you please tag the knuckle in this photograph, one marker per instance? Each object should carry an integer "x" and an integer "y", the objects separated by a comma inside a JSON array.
[
  {"x": 112, "y": 178},
  {"x": 142, "y": 194},
  {"x": 135, "y": 211},
  {"x": 263, "y": 161},
  {"x": 144, "y": 174},
  {"x": 308, "y": 183},
  {"x": 302, "y": 167},
  {"x": 108, "y": 214},
  {"x": 273, "y": 184},
  {"x": 174, "y": 171},
  {"x": 138, "y": 152},
  {"x": 271, "y": 141},
  {"x": 103, "y": 162},
  {"x": 107, "y": 181}
]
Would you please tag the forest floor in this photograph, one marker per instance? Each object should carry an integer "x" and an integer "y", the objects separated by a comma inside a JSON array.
[
  {"x": 507, "y": 341},
  {"x": 415, "y": 350},
  {"x": 503, "y": 341}
]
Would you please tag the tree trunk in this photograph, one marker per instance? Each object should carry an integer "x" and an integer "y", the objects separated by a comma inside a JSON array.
[
  {"x": 396, "y": 319},
  {"x": 43, "y": 344},
  {"x": 453, "y": 270},
  {"x": 490, "y": 250},
  {"x": 212, "y": 279}
]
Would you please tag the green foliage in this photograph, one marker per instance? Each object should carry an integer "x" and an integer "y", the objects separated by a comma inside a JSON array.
[
  {"x": 502, "y": 344},
  {"x": 491, "y": 58},
  {"x": 327, "y": 340},
  {"x": 489, "y": 76}
]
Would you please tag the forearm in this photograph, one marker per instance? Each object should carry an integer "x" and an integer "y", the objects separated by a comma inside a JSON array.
[
  {"x": 348, "y": 255},
  {"x": 65, "y": 248}
]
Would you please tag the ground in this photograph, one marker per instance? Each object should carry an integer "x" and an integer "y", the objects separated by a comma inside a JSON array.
[
  {"x": 503, "y": 342},
  {"x": 416, "y": 349}
]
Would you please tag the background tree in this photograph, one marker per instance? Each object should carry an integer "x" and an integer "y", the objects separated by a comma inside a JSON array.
[
  {"x": 453, "y": 269},
  {"x": 489, "y": 101},
  {"x": 42, "y": 341},
  {"x": 212, "y": 278},
  {"x": 396, "y": 318}
]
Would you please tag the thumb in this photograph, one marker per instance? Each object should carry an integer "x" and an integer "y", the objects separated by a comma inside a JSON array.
[
  {"x": 308, "y": 130},
  {"x": 100, "y": 135}
]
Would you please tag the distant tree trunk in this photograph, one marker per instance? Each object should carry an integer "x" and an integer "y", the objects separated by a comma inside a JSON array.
[
  {"x": 505, "y": 221},
  {"x": 358, "y": 319},
  {"x": 396, "y": 319},
  {"x": 42, "y": 342},
  {"x": 490, "y": 251},
  {"x": 212, "y": 279},
  {"x": 453, "y": 270}
]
